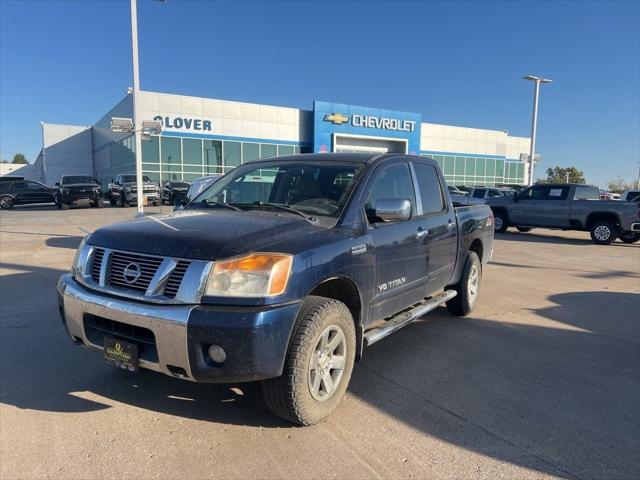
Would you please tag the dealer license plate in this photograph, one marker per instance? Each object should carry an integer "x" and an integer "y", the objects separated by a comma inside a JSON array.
[{"x": 121, "y": 354}]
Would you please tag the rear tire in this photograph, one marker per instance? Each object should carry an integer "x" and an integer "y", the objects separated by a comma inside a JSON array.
[
  {"x": 64, "y": 206},
  {"x": 6, "y": 203},
  {"x": 630, "y": 237},
  {"x": 112, "y": 202},
  {"x": 500, "y": 222},
  {"x": 318, "y": 366},
  {"x": 603, "y": 232},
  {"x": 524, "y": 229},
  {"x": 468, "y": 287},
  {"x": 99, "y": 203}
]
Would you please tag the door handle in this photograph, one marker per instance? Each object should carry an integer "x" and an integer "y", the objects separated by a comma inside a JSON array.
[{"x": 422, "y": 233}]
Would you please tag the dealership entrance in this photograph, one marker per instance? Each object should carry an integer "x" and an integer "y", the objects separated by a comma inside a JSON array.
[{"x": 345, "y": 143}]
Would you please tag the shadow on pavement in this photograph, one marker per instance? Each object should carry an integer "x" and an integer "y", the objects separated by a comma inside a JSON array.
[
  {"x": 560, "y": 398},
  {"x": 583, "y": 273},
  {"x": 63, "y": 242}
]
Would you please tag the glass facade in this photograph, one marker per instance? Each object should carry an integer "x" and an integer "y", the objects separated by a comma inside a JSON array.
[
  {"x": 178, "y": 158},
  {"x": 479, "y": 171}
]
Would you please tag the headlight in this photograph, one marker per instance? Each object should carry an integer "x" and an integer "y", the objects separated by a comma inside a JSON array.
[
  {"x": 254, "y": 275},
  {"x": 78, "y": 258}
]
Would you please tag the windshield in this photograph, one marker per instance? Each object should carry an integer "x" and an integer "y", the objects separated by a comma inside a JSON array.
[
  {"x": 132, "y": 178},
  {"x": 69, "y": 179},
  {"x": 313, "y": 188}
]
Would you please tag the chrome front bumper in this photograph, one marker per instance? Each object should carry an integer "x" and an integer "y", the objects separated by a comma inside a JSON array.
[{"x": 167, "y": 322}]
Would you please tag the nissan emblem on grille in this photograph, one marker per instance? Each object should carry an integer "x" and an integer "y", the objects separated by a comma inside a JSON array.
[{"x": 131, "y": 272}]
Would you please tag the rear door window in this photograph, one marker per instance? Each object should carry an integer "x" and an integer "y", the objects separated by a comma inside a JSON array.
[
  {"x": 430, "y": 188},
  {"x": 586, "y": 193},
  {"x": 19, "y": 187}
]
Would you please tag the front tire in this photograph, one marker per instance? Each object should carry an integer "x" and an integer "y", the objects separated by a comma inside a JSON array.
[
  {"x": 318, "y": 366},
  {"x": 468, "y": 287},
  {"x": 500, "y": 222},
  {"x": 602, "y": 232},
  {"x": 6, "y": 203},
  {"x": 630, "y": 237}
]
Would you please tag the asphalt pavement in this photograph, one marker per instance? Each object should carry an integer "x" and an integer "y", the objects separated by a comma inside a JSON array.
[{"x": 542, "y": 380}]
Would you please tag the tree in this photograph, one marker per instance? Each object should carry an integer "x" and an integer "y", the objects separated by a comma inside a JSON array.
[
  {"x": 559, "y": 175},
  {"x": 618, "y": 185},
  {"x": 19, "y": 158}
]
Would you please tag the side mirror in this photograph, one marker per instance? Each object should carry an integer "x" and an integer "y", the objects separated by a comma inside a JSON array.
[
  {"x": 393, "y": 209},
  {"x": 57, "y": 184}
]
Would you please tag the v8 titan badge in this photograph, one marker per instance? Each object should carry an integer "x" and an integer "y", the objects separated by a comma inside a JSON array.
[{"x": 121, "y": 354}]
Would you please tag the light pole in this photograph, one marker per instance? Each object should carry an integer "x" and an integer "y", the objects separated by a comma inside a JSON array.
[
  {"x": 534, "y": 120},
  {"x": 136, "y": 91}
]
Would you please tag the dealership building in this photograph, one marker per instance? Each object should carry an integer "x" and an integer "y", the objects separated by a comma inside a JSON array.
[{"x": 202, "y": 136}]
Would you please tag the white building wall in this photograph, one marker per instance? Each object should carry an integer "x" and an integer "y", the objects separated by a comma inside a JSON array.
[
  {"x": 232, "y": 119},
  {"x": 447, "y": 138},
  {"x": 67, "y": 151},
  {"x": 28, "y": 171}
]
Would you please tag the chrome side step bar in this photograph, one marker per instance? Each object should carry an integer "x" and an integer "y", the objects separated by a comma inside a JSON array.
[{"x": 404, "y": 318}]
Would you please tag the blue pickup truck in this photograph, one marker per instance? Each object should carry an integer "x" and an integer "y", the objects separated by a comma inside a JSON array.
[{"x": 281, "y": 272}]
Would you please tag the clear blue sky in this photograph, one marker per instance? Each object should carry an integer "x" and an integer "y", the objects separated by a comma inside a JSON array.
[{"x": 456, "y": 63}]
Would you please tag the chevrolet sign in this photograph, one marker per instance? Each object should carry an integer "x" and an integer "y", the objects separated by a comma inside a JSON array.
[{"x": 370, "y": 121}]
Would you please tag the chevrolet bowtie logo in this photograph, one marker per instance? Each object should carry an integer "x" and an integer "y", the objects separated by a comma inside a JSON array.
[{"x": 336, "y": 118}]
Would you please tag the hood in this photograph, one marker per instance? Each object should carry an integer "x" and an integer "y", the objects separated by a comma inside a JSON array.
[
  {"x": 144, "y": 184},
  {"x": 203, "y": 234},
  {"x": 80, "y": 185}
]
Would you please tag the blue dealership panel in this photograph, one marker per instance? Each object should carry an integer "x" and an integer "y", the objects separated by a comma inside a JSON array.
[{"x": 330, "y": 118}]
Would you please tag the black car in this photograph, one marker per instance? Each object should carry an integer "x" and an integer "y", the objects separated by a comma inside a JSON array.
[
  {"x": 173, "y": 191},
  {"x": 75, "y": 188},
  {"x": 23, "y": 192}
]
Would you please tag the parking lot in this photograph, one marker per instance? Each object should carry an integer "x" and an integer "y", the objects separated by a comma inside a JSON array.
[{"x": 542, "y": 380}]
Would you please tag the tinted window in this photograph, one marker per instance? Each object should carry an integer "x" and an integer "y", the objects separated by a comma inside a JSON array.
[
  {"x": 392, "y": 182},
  {"x": 35, "y": 186},
  {"x": 430, "y": 190},
  {"x": 586, "y": 193},
  {"x": 69, "y": 179},
  {"x": 633, "y": 196},
  {"x": 19, "y": 186},
  {"x": 534, "y": 193},
  {"x": 479, "y": 193},
  {"x": 494, "y": 193}
]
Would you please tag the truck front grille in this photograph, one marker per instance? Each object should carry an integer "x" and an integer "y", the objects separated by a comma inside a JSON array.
[
  {"x": 119, "y": 261},
  {"x": 120, "y": 265}
]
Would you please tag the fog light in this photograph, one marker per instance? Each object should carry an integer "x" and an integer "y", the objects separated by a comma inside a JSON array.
[{"x": 217, "y": 353}]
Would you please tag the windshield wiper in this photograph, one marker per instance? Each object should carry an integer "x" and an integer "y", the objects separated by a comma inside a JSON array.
[
  {"x": 278, "y": 206},
  {"x": 210, "y": 203}
]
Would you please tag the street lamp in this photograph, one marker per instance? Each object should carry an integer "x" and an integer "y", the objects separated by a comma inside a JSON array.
[{"x": 534, "y": 120}]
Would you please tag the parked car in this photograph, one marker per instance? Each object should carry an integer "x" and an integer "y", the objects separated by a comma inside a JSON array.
[
  {"x": 10, "y": 178},
  {"x": 124, "y": 191},
  {"x": 568, "y": 207},
  {"x": 609, "y": 195},
  {"x": 23, "y": 192},
  {"x": 174, "y": 192},
  {"x": 281, "y": 271},
  {"x": 456, "y": 191},
  {"x": 479, "y": 195},
  {"x": 199, "y": 185},
  {"x": 630, "y": 196},
  {"x": 72, "y": 189}
]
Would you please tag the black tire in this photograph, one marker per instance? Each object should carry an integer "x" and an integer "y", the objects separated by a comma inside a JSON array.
[
  {"x": 500, "y": 222},
  {"x": 99, "y": 203},
  {"x": 155, "y": 204},
  {"x": 290, "y": 395},
  {"x": 603, "y": 232},
  {"x": 524, "y": 229},
  {"x": 464, "y": 302},
  {"x": 123, "y": 203},
  {"x": 112, "y": 202},
  {"x": 630, "y": 237},
  {"x": 6, "y": 203},
  {"x": 64, "y": 206}
]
